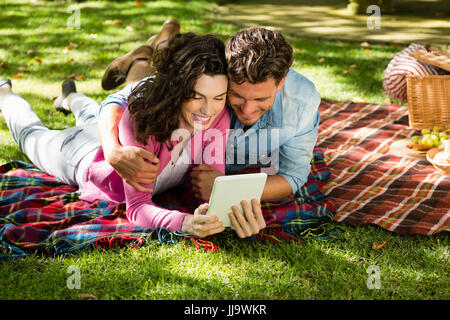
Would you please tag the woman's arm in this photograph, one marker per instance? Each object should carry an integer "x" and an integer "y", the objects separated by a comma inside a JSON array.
[{"x": 142, "y": 211}]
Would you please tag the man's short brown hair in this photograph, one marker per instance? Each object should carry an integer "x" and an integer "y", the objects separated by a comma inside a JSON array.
[{"x": 256, "y": 54}]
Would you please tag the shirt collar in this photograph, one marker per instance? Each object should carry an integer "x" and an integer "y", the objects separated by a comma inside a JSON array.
[{"x": 275, "y": 114}]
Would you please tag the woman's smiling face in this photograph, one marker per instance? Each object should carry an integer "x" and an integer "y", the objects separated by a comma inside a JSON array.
[{"x": 208, "y": 101}]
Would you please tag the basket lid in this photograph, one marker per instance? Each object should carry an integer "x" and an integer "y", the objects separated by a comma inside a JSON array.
[{"x": 434, "y": 56}]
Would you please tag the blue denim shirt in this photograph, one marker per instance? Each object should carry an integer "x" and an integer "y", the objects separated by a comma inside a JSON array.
[{"x": 282, "y": 140}]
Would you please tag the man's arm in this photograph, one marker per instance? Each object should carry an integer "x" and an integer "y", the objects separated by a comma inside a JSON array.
[
  {"x": 294, "y": 166},
  {"x": 276, "y": 187},
  {"x": 128, "y": 161},
  {"x": 108, "y": 122},
  {"x": 296, "y": 154}
]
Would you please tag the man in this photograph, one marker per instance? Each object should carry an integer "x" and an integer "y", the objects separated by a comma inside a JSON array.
[{"x": 271, "y": 103}]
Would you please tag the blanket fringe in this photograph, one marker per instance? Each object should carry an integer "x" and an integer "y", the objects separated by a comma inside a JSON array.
[
  {"x": 275, "y": 234},
  {"x": 200, "y": 244},
  {"x": 163, "y": 236},
  {"x": 111, "y": 242}
]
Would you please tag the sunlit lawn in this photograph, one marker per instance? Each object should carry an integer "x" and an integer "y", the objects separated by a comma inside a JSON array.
[{"x": 36, "y": 52}]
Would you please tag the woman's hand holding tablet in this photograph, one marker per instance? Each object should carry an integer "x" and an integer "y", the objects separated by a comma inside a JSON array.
[{"x": 200, "y": 224}]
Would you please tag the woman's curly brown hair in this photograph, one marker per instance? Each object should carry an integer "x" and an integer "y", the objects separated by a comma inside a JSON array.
[{"x": 155, "y": 105}]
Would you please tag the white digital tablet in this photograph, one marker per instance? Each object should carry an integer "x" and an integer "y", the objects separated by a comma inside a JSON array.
[{"x": 231, "y": 190}]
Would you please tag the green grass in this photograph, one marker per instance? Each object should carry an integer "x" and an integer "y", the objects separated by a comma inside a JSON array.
[{"x": 412, "y": 267}]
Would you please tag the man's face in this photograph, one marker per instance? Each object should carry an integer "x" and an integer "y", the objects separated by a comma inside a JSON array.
[{"x": 251, "y": 101}]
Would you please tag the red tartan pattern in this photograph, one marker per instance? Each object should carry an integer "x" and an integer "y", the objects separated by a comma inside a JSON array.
[
  {"x": 371, "y": 186},
  {"x": 38, "y": 213},
  {"x": 367, "y": 186}
]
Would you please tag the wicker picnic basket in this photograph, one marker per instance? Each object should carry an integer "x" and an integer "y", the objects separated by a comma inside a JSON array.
[{"x": 429, "y": 96}]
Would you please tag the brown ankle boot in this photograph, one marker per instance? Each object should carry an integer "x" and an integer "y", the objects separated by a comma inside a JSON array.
[
  {"x": 169, "y": 28},
  {"x": 5, "y": 87},
  {"x": 117, "y": 71}
]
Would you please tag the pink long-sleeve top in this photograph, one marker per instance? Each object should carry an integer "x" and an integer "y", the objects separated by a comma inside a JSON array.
[{"x": 103, "y": 182}]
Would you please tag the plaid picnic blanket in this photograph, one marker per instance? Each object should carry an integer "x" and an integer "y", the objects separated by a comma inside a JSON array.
[
  {"x": 353, "y": 180},
  {"x": 37, "y": 213},
  {"x": 369, "y": 185}
]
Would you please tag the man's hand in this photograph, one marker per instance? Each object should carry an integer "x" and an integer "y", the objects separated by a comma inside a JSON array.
[
  {"x": 200, "y": 224},
  {"x": 133, "y": 165},
  {"x": 202, "y": 181},
  {"x": 251, "y": 222}
]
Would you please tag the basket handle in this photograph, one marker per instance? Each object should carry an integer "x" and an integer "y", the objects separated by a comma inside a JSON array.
[{"x": 435, "y": 56}]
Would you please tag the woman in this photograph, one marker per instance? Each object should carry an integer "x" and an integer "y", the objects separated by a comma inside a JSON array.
[{"x": 169, "y": 115}]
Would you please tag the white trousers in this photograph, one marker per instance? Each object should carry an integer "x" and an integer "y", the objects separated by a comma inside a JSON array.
[{"x": 65, "y": 154}]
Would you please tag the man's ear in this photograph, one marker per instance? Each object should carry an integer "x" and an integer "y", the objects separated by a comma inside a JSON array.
[{"x": 281, "y": 84}]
